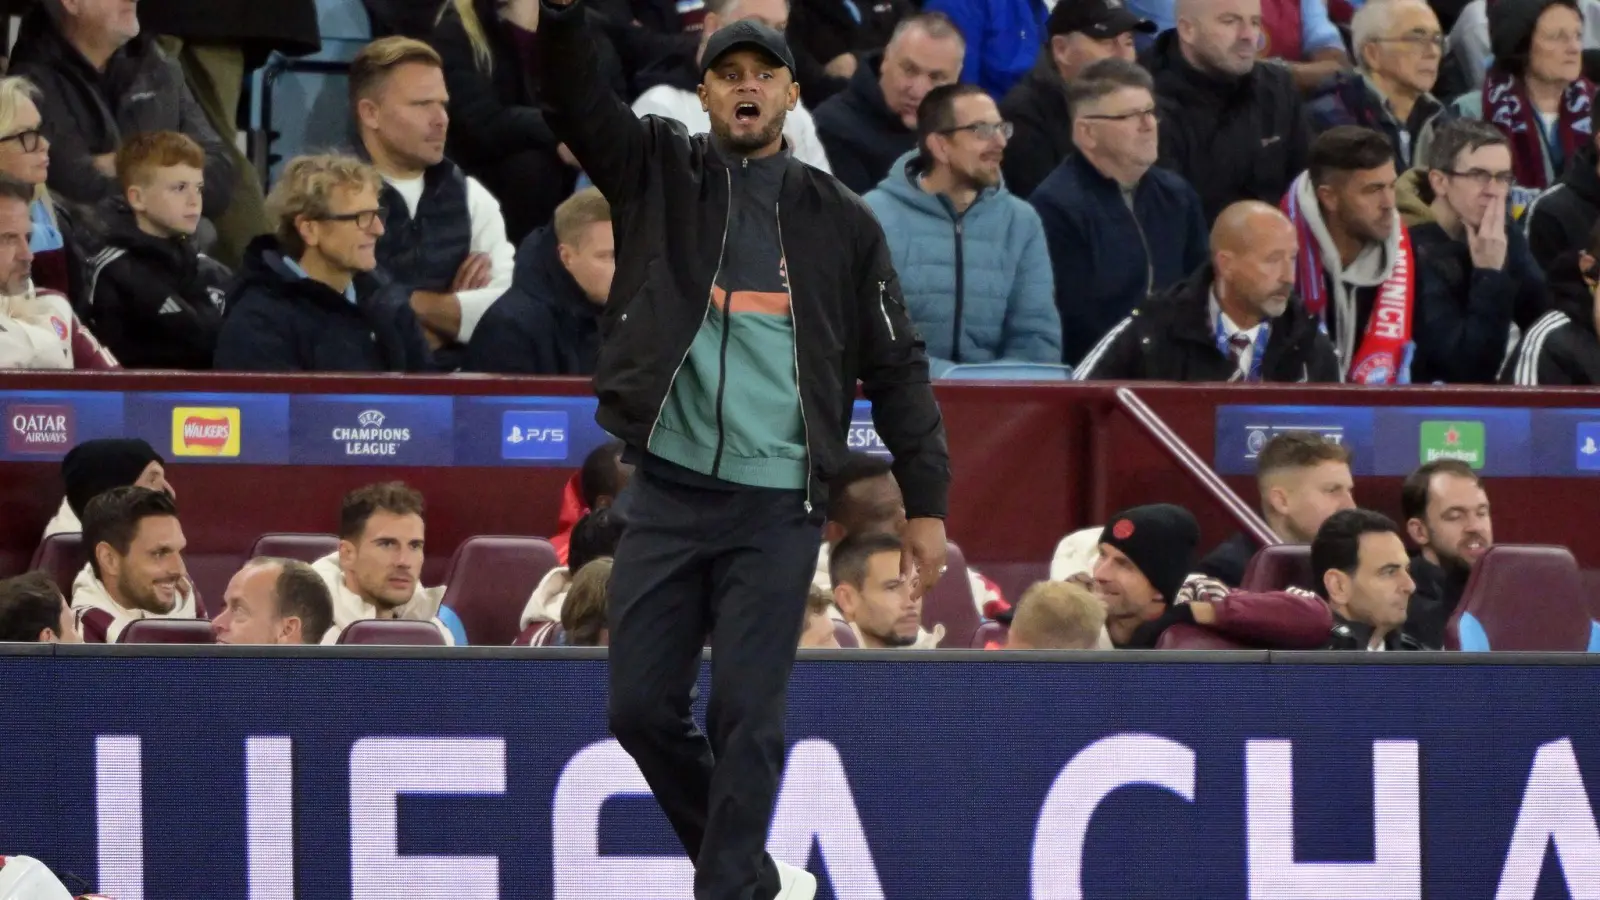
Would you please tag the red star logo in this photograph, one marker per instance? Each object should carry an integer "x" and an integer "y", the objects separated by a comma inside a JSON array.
[{"x": 1452, "y": 437}]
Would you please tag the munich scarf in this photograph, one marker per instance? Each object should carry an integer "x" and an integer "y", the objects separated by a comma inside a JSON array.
[
  {"x": 1383, "y": 354},
  {"x": 1505, "y": 103}
]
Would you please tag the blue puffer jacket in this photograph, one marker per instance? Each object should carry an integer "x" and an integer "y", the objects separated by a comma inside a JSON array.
[{"x": 978, "y": 285}]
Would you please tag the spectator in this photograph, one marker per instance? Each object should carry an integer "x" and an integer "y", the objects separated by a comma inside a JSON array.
[
  {"x": 1559, "y": 220},
  {"x": 377, "y": 571},
  {"x": 33, "y": 611},
  {"x": 1118, "y": 228},
  {"x": 549, "y": 322},
  {"x": 595, "y": 485},
  {"x": 1480, "y": 279},
  {"x": 1399, "y": 48},
  {"x": 1235, "y": 130},
  {"x": 1003, "y": 35},
  {"x": 1535, "y": 92},
  {"x": 1447, "y": 516},
  {"x": 94, "y": 467},
  {"x": 1470, "y": 45},
  {"x": 677, "y": 98},
  {"x": 135, "y": 571},
  {"x": 818, "y": 633},
  {"x": 157, "y": 300},
  {"x": 102, "y": 82},
  {"x": 1057, "y": 615},
  {"x": 25, "y": 155},
  {"x": 595, "y": 536},
  {"x": 274, "y": 601},
  {"x": 1303, "y": 478},
  {"x": 1562, "y": 346},
  {"x": 882, "y": 605},
  {"x": 583, "y": 614},
  {"x": 839, "y": 34},
  {"x": 1360, "y": 564},
  {"x": 993, "y": 298},
  {"x": 38, "y": 329},
  {"x": 443, "y": 236},
  {"x": 1236, "y": 319},
  {"x": 1296, "y": 34},
  {"x": 1356, "y": 272},
  {"x": 873, "y": 122},
  {"x": 307, "y": 299},
  {"x": 1141, "y": 577},
  {"x": 1082, "y": 32}
]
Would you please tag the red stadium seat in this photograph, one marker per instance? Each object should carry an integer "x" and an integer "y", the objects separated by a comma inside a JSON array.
[
  {"x": 61, "y": 556},
  {"x": 845, "y": 635},
  {"x": 307, "y": 548},
  {"x": 392, "y": 632},
  {"x": 1522, "y": 597},
  {"x": 996, "y": 633},
  {"x": 167, "y": 631},
  {"x": 1279, "y": 566},
  {"x": 489, "y": 583},
  {"x": 950, "y": 603},
  {"x": 1196, "y": 637}
]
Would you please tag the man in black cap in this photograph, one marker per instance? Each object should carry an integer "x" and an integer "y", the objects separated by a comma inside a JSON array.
[
  {"x": 1081, "y": 32},
  {"x": 752, "y": 293},
  {"x": 94, "y": 467}
]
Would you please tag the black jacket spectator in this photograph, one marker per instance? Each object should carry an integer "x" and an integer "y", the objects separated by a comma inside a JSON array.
[
  {"x": 1348, "y": 635},
  {"x": 1235, "y": 139},
  {"x": 1465, "y": 314},
  {"x": 1349, "y": 99},
  {"x": 1435, "y": 600},
  {"x": 862, "y": 135},
  {"x": 277, "y": 321},
  {"x": 827, "y": 28},
  {"x": 544, "y": 325},
  {"x": 1561, "y": 348},
  {"x": 157, "y": 303},
  {"x": 287, "y": 26},
  {"x": 87, "y": 112},
  {"x": 1037, "y": 108},
  {"x": 1170, "y": 338},
  {"x": 1560, "y": 219},
  {"x": 1107, "y": 260}
]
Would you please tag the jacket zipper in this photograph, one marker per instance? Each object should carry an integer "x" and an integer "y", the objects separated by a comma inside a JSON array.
[
  {"x": 1149, "y": 260},
  {"x": 794, "y": 327},
  {"x": 710, "y": 294},
  {"x": 961, "y": 291},
  {"x": 883, "y": 306}
]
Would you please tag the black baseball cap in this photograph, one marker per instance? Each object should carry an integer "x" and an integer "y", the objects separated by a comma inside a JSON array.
[
  {"x": 1098, "y": 19},
  {"x": 746, "y": 33}
]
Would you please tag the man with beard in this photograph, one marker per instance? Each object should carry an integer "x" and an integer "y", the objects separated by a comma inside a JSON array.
[
  {"x": 1446, "y": 512},
  {"x": 135, "y": 569},
  {"x": 1356, "y": 272},
  {"x": 751, "y": 296},
  {"x": 38, "y": 328},
  {"x": 376, "y": 572},
  {"x": 1233, "y": 320},
  {"x": 993, "y": 298},
  {"x": 880, "y": 602}
]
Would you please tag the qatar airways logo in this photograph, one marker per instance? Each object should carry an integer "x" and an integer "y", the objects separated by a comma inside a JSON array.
[{"x": 816, "y": 808}]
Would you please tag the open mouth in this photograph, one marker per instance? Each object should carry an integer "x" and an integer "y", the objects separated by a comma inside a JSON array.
[{"x": 746, "y": 112}]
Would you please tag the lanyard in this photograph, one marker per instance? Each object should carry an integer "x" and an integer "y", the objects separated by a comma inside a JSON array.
[{"x": 1258, "y": 349}]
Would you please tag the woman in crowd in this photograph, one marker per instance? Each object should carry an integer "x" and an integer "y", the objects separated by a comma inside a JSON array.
[{"x": 25, "y": 156}]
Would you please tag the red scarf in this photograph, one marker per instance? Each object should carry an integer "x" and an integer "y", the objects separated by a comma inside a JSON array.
[{"x": 1506, "y": 105}]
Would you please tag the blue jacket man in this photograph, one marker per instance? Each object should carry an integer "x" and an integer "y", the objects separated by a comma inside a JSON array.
[
  {"x": 1003, "y": 39},
  {"x": 976, "y": 279}
]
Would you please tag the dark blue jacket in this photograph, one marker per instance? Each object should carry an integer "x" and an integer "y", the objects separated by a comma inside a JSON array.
[
  {"x": 1106, "y": 260},
  {"x": 1465, "y": 314},
  {"x": 277, "y": 321},
  {"x": 544, "y": 325},
  {"x": 1003, "y": 39}
]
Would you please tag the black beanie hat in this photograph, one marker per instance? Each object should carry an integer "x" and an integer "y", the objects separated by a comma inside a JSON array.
[
  {"x": 1160, "y": 539},
  {"x": 94, "y": 467},
  {"x": 1511, "y": 24}
]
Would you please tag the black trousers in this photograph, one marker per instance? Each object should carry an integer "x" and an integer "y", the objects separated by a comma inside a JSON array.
[{"x": 734, "y": 563}]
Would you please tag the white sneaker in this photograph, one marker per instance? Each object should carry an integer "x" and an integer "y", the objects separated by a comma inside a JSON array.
[{"x": 795, "y": 883}]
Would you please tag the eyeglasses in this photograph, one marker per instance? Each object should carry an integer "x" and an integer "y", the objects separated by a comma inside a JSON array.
[
  {"x": 1418, "y": 41},
  {"x": 1482, "y": 177},
  {"x": 363, "y": 219},
  {"x": 29, "y": 140},
  {"x": 985, "y": 131},
  {"x": 1561, "y": 37},
  {"x": 1139, "y": 115}
]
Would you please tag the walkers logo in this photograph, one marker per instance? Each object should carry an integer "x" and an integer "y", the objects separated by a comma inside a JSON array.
[
  {"x": 42, "y": 429},
  {"x": 205, "y": 431},
  {"x": 370, "y": 438},
  {"x": 534, "y": 434},
  {"x": 1462, "y": 441}
]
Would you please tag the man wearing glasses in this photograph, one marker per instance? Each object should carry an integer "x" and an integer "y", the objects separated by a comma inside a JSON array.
[
  {"x": 1479, "y": 278},
  {"x": 1399, "y": 49},
  {"x": 1119, "y": 229},
  {"x": 971, "y": 255},
  {"x": 307, "y": 299}
]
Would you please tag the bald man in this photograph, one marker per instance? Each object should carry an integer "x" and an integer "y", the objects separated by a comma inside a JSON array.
[{"x": 1235, "y": 319}]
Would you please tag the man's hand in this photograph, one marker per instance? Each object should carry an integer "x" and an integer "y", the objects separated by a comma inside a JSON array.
[
  {"x": 438, "y": 313},
  {"x": 841, "y": 66},
  {"x": 1488, "y": 241},
  {"x": 567, "y": 157},
  {"x": 476, "y": 271},
  {"x": 922, "y": 554}
]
